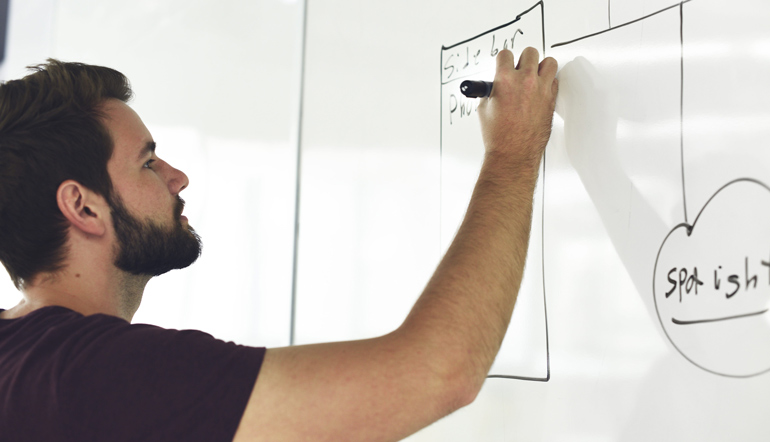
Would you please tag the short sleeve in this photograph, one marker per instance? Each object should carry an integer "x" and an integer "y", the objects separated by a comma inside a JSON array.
[{"x": 126, "y": 382}]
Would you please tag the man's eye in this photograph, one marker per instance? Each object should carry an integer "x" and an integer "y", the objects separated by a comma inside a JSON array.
[{"x": 147, "y": 164}]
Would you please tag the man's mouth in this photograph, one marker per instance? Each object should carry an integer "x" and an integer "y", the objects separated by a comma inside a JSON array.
[{"x": 179, "y": 208}]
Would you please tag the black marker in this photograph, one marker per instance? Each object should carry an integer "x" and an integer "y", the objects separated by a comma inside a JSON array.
[{"x": 476, "y": 89}]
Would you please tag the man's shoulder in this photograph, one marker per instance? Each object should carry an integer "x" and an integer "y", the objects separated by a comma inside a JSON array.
[
  {"x": 61, "y": 327},
  {"x": 131, "y": 378},
  {"x": 51, "y": 321}
]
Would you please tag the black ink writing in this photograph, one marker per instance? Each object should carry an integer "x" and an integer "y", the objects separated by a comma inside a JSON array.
[
  {"x": 766, "y": 264},
  {"x": 513, "y": 40},
  {"x": 449, "y": 67},
  {"x": 493, "y": 52},
  {"x": 733, "y": 279},
  {"x": 752, "y": 279},
  {"x": 466, "y": 107},
  {"x": 687, "y": 281}
]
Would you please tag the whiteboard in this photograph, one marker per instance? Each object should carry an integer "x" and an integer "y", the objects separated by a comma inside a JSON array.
[{"x": 661, "y": 124}]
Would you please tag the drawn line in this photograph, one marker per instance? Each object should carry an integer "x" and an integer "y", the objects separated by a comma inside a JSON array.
[
  {"x": 542, "y": 266},
  {"x": 520, "y": 378},
  {"x": 441, "y": 153},
  {"x": 619, "y": 26},
  {"x": 681, "y": 105},
  {"x": 459, "y": 78},
  {"x": 689, "y": 228},
  {"x": 542, "y": 245},
  {"x": 542, "y": 237},
  {"x": 737, "y": 180},
  {"x": 518, "y": 17},
  {"x": 701, "y": 321},
  {"x": 542, "y": 23},
  {"x": 681, "y": 79},
  {"x": 441, "y": 157},
  {"x": 545, "y": 305},
  {"x": 293, "y": 321}
]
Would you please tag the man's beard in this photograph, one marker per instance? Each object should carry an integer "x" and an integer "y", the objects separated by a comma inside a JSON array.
[{"x": 146, "y": 248}]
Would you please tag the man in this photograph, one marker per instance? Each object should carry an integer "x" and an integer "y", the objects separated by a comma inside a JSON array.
[{"x": 89, "y": 213}]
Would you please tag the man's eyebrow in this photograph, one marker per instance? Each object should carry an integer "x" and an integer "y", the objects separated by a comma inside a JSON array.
[{"x": 149, "y": 147}]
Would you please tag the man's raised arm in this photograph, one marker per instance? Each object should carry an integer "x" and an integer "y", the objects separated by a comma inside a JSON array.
[{"x": 384, "y": 389}]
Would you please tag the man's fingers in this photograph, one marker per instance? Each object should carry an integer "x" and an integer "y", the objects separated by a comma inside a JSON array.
[
  {"x": 504, "y": 60},
  {"x": 547, "y": 69},
  {"x": 505, "y": 67},
  {"x": 528, "y": 65},
  {"x": 529, "y": 58}
]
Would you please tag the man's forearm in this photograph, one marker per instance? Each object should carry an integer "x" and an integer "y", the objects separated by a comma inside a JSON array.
[{"x": 471, "y": 295}]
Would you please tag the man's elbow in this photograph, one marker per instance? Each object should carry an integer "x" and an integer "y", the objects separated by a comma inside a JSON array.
[
  {"x": 460, "y": 388},
  {"x": 466, "y": 393}
]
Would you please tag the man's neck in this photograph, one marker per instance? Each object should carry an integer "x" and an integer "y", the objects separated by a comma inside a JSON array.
[{"x": 118, "y": 295}]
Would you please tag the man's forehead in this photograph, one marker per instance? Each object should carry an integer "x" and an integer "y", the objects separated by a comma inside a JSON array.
[{"x": 129, "y": 134}]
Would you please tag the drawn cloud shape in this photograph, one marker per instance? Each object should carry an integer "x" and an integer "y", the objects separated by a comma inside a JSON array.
[{"x": 711, "y": 282}]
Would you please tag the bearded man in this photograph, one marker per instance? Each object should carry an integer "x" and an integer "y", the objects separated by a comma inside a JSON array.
[{"x": 89, "y": 214}]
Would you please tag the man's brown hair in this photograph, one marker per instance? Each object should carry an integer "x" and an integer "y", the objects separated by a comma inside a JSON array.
[{"x": 51, "y": 131}]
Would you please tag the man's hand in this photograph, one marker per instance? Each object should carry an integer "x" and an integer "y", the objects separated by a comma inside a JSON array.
[{"x": 516, "y": 118}]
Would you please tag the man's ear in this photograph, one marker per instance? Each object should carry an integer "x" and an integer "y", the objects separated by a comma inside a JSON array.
[{"x": 86, "y": 210}]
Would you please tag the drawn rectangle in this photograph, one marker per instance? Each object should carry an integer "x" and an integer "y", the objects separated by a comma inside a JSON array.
[{"x": 524, "y": 352}]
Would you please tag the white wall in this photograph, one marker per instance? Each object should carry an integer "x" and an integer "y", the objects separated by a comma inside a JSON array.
[{"x": 217, "y": 85}]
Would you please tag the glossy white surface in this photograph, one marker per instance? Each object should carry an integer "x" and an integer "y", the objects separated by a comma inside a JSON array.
[
  {"x": 375, "y": 212},
  {"x": 613, "y": 191}
]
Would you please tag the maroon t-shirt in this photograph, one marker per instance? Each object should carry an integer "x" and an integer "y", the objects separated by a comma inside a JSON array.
[{"x": 69, "y": 377}]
